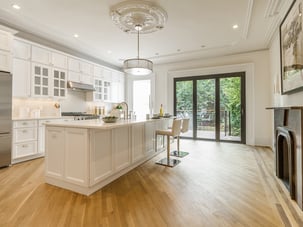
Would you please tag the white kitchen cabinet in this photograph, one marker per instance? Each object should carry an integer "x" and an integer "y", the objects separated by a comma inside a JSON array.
[
  {"x": 101, "y": 155},
  {"x": 48, "y": 57},
  {"x": 80, "y": 71},
  {"x": 24, "y": 140},
  {"x": 41, "y": 132},
  {"x": 86, "y": 79},
  {"x": 77, "y": 65},
  {"x": 86, "y": 68},
  {"x": 74, "y": 65},
  {"x": 76, "y": 147},
  {"x": 138, "y": 143},
  {"x": 5, "y": 41},
  {"x": 122, "y": 148},
  {"x": 59, "y": 82},
  {"x": 41, "y": 55},
  {"x": 97, "y": 95},
  {"x": 150, "y": 128},
  {"x": 106, "y": 91},
  {"x": 41, "y": 80},
  {"x": 55, "y": 148},
  {"x": 21, "y": 78},
  {"x": 21, "y": 50},
  {"x": 59, "y": 60},
  {"x": 98, "y": 71},
  {"x": 5, "y": 61}
]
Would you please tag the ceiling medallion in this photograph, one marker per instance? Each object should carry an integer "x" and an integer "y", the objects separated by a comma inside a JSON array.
[{"x": 126, "y": 15}]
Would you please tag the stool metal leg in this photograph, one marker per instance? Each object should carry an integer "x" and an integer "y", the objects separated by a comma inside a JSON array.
[
  {"x": 178, "y": 153},
  {"x": 170, "y": 162}
]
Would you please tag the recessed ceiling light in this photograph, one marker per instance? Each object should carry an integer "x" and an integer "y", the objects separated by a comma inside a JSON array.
[
  {"x": 109, "y": 51},
  {"x": 235, "y": 26},
  {"x": 15, "y": 6},
  {"x": 76, "y": 35}
]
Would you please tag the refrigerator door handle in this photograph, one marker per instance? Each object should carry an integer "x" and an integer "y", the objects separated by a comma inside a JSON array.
[{"x": 4, "y": 133}]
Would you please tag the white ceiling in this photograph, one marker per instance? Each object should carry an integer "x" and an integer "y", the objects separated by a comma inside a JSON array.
[{"x": 195, "y": 28}]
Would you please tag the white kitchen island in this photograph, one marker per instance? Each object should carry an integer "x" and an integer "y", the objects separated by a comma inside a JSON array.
[{"x": 84, "y": 156}]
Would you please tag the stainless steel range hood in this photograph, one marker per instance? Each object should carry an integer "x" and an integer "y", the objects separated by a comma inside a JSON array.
[{"x": 80, "y": 86}]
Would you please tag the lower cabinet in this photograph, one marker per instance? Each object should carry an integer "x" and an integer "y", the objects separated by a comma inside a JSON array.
[
  {"x": 122, "y": 147},
  {"x": 55, "y": 148},
  {"x": 138, "y": 142},
  {"x": 149, "y": 138},
  {"x": 76, "y": 156},
  {"x": 24, "y": 140},
  {"x": 66, "y": 154},
  {"x": 102, "y": 162}
]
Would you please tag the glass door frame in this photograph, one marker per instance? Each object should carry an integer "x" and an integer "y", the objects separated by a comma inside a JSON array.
[{"x": 217, "y": 78}]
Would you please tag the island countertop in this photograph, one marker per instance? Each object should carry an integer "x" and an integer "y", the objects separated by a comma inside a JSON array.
[{"x": 99, "y": 123}]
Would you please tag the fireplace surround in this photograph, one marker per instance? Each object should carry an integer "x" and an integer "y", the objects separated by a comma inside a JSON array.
[{"x": 288, "y": 149}]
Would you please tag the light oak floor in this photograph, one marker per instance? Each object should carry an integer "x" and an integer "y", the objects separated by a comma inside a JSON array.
[{"x": 218, "y": 184}]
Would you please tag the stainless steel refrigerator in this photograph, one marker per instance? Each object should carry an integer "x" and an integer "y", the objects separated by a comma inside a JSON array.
[{"x": 5, "y": 118}]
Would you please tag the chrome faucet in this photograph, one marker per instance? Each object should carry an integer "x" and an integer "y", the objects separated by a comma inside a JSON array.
[{"x": 126, "y": 105}]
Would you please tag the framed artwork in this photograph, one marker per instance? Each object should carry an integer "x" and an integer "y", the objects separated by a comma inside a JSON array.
[{"x": 291, "y": 49}]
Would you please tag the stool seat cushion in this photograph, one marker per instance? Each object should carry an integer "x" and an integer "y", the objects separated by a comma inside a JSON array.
[{"x": 164, "y": 132}]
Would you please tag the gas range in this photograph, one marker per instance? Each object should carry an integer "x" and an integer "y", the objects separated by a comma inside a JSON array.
[{"x": 79, "y": 116}]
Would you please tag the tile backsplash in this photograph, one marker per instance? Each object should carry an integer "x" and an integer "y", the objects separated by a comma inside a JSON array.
[{"x": 27, "y": 108}]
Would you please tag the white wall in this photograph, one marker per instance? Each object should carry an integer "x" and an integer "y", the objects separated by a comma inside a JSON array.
[{"x": 258, "y": 85}]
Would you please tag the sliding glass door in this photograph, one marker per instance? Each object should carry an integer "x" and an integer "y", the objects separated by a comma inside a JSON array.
[{"x": 215, "y": 105}]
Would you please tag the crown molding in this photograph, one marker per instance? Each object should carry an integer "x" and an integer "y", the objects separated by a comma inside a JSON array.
[
  {"x": 273, "y": 8},
  {"x": 247, "y": 19},
  {"x": 275, "y": 11}
]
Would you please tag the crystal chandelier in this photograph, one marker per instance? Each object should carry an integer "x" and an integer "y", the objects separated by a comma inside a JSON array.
[{"x": 137, "y": 17}]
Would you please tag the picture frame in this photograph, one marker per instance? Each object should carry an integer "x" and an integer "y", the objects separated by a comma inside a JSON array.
[{"x": 291, "y": 49}]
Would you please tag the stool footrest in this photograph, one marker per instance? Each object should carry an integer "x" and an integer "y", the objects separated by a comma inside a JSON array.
[
  {"x": 168, "y": 162},
  {"x": 179, "y": 154}
]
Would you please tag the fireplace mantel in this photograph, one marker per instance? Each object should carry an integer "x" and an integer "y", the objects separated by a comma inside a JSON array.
[{"x": 284, "y": 108}]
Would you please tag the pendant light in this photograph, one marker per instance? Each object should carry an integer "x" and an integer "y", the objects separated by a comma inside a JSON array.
[
  {"x": 137, "y": 17},
  {"x": 138, "y": 66}
]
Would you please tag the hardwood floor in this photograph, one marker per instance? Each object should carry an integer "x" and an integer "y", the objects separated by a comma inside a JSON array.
[{"x": 218, "y": 184}]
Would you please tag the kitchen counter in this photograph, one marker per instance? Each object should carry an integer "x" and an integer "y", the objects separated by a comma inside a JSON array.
[
  {"x": 84, "y": 156},
  {"x": 100, "y": 124}
]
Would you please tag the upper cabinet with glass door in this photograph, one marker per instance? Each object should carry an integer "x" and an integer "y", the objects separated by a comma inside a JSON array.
[{"x": 49, "y": 73}]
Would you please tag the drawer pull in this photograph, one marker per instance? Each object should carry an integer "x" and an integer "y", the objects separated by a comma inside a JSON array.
[
  {"x": 24, "y": 145},
  {"x": 24, "y": 123},
  {"x": 24, "y": 131}
]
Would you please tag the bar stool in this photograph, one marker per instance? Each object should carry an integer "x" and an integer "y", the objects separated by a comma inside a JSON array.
[
  {"x": 184, "y": 128},
  {"x": 174, "y": 131}
]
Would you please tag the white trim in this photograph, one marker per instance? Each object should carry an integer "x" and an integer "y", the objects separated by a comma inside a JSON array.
[{"x": 249, "y": 84}]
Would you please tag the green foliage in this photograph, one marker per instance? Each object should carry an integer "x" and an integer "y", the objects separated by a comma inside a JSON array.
[{"x": 230, "y": 100}]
